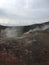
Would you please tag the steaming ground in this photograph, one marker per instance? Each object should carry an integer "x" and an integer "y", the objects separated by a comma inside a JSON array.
[
  {"x": 30, "y": 48},
  {"x": 12, "y": 32}
]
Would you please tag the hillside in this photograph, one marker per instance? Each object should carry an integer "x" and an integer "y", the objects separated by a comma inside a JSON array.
[{"x": 32, "y": 48}]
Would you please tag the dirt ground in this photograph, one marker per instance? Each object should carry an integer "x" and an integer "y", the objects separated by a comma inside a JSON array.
[{"x": 32, "y": 48}]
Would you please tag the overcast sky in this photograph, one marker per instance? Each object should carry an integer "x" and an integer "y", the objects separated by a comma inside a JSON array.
[{"x": 23, "y": 12}]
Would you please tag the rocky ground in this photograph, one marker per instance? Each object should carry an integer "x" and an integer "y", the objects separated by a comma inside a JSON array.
[{"x": 32, "y": 48}]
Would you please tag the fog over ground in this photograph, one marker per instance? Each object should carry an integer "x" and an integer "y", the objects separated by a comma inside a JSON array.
[{"x": 23, "y": 12}]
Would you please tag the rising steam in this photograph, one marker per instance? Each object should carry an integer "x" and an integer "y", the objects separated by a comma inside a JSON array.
[{"x": 11, "y": 32}]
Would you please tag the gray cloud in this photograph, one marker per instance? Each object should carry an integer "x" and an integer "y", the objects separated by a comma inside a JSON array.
[
  {"x": 2, "y": 12},
  {"x": 40, "y": 4},
  {"x": 22, "y": 10}
]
